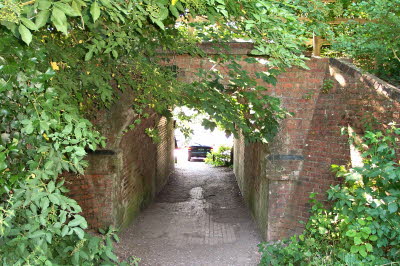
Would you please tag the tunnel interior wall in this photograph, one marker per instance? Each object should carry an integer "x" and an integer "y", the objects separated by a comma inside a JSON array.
[
  {"x": 124, "y": 177},
  {"x": 165, "y": 152}
]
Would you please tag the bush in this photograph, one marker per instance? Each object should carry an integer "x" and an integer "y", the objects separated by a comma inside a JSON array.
[
  {"x": 221, "y": 157},
  {"x": 363, "y": 225}
]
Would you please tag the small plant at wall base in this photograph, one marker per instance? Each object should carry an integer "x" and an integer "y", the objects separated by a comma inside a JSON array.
[
  {"x": 308, "y": 95},
  {"x": 221, "y": 157},
  {"x": 363, "y": 225},
  {"x": 327, "y": 86}
]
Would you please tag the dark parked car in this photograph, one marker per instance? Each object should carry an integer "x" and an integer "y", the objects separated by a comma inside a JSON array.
[{"x": 198, "y": 151}]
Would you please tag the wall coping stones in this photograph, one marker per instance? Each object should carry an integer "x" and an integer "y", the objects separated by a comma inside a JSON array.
[{"x": 370, "y": 80}]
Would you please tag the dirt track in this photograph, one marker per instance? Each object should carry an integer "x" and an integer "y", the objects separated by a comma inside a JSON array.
[{"x": 198, "y": 219}]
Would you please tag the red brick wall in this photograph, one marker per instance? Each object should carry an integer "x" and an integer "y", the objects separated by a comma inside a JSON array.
[
  {"x": 298, "y": 161},
  {"x": 94, "y": 191},
  {"x": 165, "y": 152},
  {"x": 135, "y": 182},
  {"x": 120, "y": 182},
  {"x": 350, "y": 104}
]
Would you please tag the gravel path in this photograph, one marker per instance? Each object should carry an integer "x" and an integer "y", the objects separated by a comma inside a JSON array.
[{"x": 198, "y": 219}]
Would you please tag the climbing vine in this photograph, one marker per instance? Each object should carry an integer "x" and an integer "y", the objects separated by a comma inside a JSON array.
[{"x": 63, "y": 61}]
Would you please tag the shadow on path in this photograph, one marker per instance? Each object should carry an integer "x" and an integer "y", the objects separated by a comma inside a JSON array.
[{"x": 198, "y": 219}]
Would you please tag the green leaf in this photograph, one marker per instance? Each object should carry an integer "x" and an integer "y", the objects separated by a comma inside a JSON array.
[
  {"x": 67, "y": 9},
  {"x": 28, "y": 23},
  {"x": 68, "y": 129},
  {"x": 373, "y": 238},
  {"x": 80, "y": 233},
  {"x": 44, "y": 203},
  {"x": 37, "y": 234},
  {"x": 79, "y": 151},
  {"x": 89, "y": 55},
  {"x": 79, "y": 220},
  {"x": 44, "y": 4},
  {"x": 44, "y": 125},
  {"x": 351, "y": 233},
  {"x": 68, "y": 117},
  {"x": 53, "y": 198},
  {"x": 392, "y": 207},
  {"x": 77, "y": 7},
  {"x": 361, "y": 222},
  {"x": 49, "y": 237},
  {"x": 28, "y": 128},
  {"x": 59, "y": 20},
  {"x": 42, "y": 18},
  {"x": 357, "y": 240},
  {"x": 111, "y": 255},
  {"x": 95, "y": 11},
  {"x": 26, "y": 36},
  {"x": 163, "y": 14},
  {"x": 159, "y": 23},
  {"x": 78, "y": 132},
  {"x": 106, "y": 3},
  {"x": 48, "y": 165},
  {"x": 366, "y": 230},
  {"x": 115, "y": 53},
  {"x": 63, "y": 216},
  {"x": 174, "y": 11},
  {"x": 354, "y": 249},
  {"x": 3, "y": 166},
  {"x": 75, "y": 259},
  {"x": 363, "y": 251},
  {"x": 84, "y": 255},
  {"x": 65, "y": 230},
  {"x": 51, "y": 186}
]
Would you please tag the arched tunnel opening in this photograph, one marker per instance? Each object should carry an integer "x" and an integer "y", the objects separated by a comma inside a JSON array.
[
  {"x": 270, "y": 182},
  {"x": 198, "y": 214}
]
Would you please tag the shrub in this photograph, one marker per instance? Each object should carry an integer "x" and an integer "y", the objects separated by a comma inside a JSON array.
[
  {"x": 221, "y": 157},
  {"x": 363, "y": 225}
]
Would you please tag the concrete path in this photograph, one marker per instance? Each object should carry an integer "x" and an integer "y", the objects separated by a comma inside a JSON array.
[{"x": 198, "y": 219}]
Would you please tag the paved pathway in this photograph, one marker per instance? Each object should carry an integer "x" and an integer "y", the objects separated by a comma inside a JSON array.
[{"x": 198, "y": 219}]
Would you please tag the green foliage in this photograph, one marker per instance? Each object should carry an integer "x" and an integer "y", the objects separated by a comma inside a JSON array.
[
  {"x": 41, "y": 226},
  {"x": 375, "y": 45},
  {"x": 42, "y": 135},
  {"x": 370, "y": 36},
  {"x": 308, "y": 95},
  {"x": 327, "y": 85},
  {"x": 220, "y": 157},
  {"x": 362, "y": 225},
  {"x": 123, "y": 36}
]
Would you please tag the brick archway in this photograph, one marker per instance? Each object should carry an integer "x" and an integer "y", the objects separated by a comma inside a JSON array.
[{"x": 275, "y": 180}]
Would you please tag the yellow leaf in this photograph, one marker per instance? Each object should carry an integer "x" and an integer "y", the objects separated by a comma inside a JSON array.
[
  {"x": 54, "y": 66},
  {"x": 45, "y": 136},
  {"x": 173, "y": 2}
]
